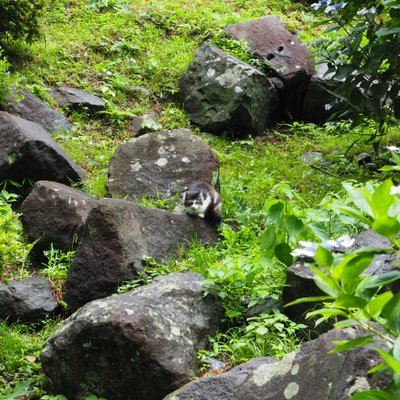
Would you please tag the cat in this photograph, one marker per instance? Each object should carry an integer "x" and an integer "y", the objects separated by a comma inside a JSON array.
[{"x": 201, "y": 199}]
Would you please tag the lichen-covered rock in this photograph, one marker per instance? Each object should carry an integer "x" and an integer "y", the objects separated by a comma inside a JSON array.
[
  {"x": 24, "y": 104},
  {"x": 117, "y": 238},
  {"x": 140, "y": 345},
  {"x": 270, "y": 41},
  {"x": 26, "y": 300},
  {"x": 308, "y": 373},
  {"x": 160, "y": 164},
  {"x": 28, "y": 152},
  {"x": 221, "y": 93},
  {"x": 54, "y": 213},
  {"x": 77, "y": 99}
]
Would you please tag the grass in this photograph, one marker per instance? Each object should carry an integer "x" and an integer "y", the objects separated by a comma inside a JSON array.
[{"x": 121, "y": 50}]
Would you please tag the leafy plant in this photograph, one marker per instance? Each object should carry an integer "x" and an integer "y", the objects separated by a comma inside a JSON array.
[
  {"x": 58, "y": 263},
  {"x": 19, "y": 19},
  {"x": 4, "y": 77},
  {"x": 354, "y": 299},
  {"x": 271, "y": 335},
  {"x": 362, "y": 56},
  {"x": 14, "y": 250}
]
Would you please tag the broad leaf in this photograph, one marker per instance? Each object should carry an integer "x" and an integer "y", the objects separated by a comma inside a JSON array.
[
  {"x": 324, "y": 257},
  {"x": 349, "y": 301},
  {"x": 376, "y": 305},
  {"x": 282, "y": 252},
  {"x": 268, "y": 239},
  {"x": 308, "y": 300},
  {"x": 382, "y": 199},
  {"x": 390, "y": 360},
  {"x": 346, "y": 323},
  {"x": 349, "y": 344},
  {"x": 373, "y": 395},
  {"x": 325, "y": 282}
]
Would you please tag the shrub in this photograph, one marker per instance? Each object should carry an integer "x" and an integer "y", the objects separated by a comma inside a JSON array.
[
  {"x": 363, "y": 56},
  {"x": 19, "y": 19},
  {"x": 3, "y": 78}
]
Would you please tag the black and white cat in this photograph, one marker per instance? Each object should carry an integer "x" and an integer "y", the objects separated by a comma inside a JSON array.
[{"x": 201, "y": 199}]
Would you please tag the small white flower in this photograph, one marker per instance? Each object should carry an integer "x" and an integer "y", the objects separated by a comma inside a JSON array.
[
  {"x": 394, "y": 148},
  {"x": 328, "y": 106},
  {"x": 365, "y": 11}
]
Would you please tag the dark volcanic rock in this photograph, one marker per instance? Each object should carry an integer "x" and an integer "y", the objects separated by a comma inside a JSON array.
[
  {"x": 269, "y": 40},
  {"x": 221, "y": 93},
  {"x": 26, "y": 300},
  {"x": 140, "y": 345},
  {"x": 309, "y": 373},
  {"x": 117, "y": 238},
  {"x": 160, "y": 163},
  {"x": 24, "y": 104},
  {"x": 77, "y": 99},
  {"x": 54, "y": 213},
  {"x": 28, "y": 152}
]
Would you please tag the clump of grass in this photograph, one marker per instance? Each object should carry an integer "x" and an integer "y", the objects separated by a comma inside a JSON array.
[{"x": 14, "y": 249}]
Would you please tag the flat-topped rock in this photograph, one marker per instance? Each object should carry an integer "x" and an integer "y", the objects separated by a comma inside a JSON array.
[
  {"x": 77, "y": 99},
  {"x": 160, "y": 164}
]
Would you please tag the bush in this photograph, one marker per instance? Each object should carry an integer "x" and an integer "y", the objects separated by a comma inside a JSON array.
[
  {"x": 363, "y": 56},
  {"x": 19, "y": 19},
  {"x": 3, "y": 79}
]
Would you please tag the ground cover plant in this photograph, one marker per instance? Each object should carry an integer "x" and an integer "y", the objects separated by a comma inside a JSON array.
[{"x": 272, "y": 198}]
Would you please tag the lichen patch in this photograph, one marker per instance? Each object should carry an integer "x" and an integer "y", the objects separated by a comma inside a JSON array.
[
  {"x": 291, "y": 390},
  {"x": 162, "y": 162}
]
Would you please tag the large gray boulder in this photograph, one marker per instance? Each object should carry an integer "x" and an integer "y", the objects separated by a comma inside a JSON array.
[
  {"x": 308, "y": 373},
  {"x": 26, "y": 300},
  {"x": 300, "y": 279},
  {"x": 140, "y": 345},
  {"x": 115, "y": 241},
  {"x": 283, "y": 52},
  {"x": 24, "y": 104},
  {"x": 54, "y": 213},
  {"x": 221, "y": 93},
  {"x": 28, "y": 152},
  {"x": 288, "y": 59},
  {"x": 77, "y": 99},
  {"x": 160, "y": 164}
]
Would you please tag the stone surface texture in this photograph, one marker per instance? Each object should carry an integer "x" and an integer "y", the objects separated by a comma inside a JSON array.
[
  {"x": 54, "y": 213},
  {"x": 26, "y": 300},
  {"x": 221, "y": 93},
  {"x": 22, "y": 103},
  {"x": 77, "y": 99},
  {"x": 140, "y": 345},
  {"x": 308, "y": 373},
  {"x": 28, "y": 152},
  {"x": 270, "y": 41},
  {"x": 160, "y": 164},
  {"x": 117, "y": 238}
]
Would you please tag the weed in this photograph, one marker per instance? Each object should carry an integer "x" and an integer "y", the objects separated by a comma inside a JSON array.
[{"x": 58, "y": 263}]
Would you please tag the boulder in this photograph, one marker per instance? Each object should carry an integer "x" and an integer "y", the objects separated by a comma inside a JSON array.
[
  {"x": 77, "y": 99},
  {"x": 319, "y": 104},
  {"x": 54, "y": 213},
  {"x": 308, "y": 373},
  {"x": 116, "y": 240},
  {"x": 160, "y": 163},
  {"x": 28, "y": 152},
  {"x": 24, "y": 104},
  {"x": 221, "y": 93},
  {"x": 26, "y": 300},
  {"x": 140, "y": 345},
  {"x": 283, "y": 52},
  {"x": 300, "y": 279}
]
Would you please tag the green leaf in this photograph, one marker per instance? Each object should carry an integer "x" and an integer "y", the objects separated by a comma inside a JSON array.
[
  {"x": 346, "y": 323},
  {"x": 349, "y": 344},
  {"x": 361, "y": 198},
  {"x": 282, "y": 253},
  {"x": 327, "y": 312},
  {"x": 294, "y": 225},
  {"x": 391, "y": 312},
  {"x": 275, "y": 210},
  {"x": 268, "y": 239},
  {"x": 308, "y": 300},
  {"x": 325, "y": 282},
  {"x": 386, "y": 226},
  {"x": 349, "y": 301},
  {"x": 390, "y": 360},
  {"x": 355, "y": 266},
  {"x": 376, "y": 305},
  {"x": 382, "y": 199},
  {"x": 373, "y": 395},
  {"x": 386, "y": 31},
  {"x": 324, "y": 257}
]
